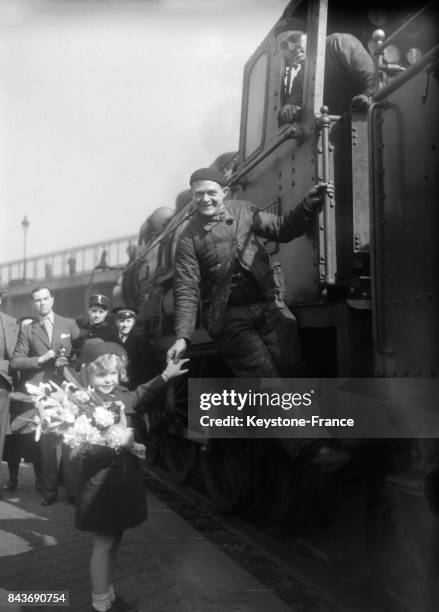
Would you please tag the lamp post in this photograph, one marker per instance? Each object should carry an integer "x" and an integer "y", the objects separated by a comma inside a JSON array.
[{"x": 25, "y": 225}]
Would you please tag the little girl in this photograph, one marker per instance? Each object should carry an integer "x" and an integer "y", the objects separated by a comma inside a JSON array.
[{"x": 111, "y": 493}]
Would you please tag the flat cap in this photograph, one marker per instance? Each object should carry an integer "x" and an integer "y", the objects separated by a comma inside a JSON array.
[
  {"x": 96, "y": 347},
  {"x": 124, "y": 312},
  {"x": 294, "y": 24},
  {"x": 208, "y": 174},
  {"x": 99, "y": 300}
]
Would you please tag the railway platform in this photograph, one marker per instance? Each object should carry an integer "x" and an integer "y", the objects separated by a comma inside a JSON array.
[{"x": 165, "y": 564}]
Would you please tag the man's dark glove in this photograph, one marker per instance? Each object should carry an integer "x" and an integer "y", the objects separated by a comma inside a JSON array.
[
  {"x": 289, "y": 113},
  {"x": 361, "y": 103}
]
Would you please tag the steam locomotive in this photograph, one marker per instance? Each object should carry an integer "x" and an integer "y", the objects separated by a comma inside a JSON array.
[{"x": 364, "y": 284}]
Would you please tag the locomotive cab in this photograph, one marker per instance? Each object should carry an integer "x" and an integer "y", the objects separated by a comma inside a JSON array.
[
  {"x": 328, "y": 271},
  {"x": 278, "y": 163}
]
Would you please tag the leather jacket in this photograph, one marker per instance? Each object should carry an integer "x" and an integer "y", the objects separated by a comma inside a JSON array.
[{"x": 206, "y": 253}]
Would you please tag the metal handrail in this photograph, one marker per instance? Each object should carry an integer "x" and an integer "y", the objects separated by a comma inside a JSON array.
[
  {"x": 324, "y": 124},
  {"x": 292, "y": 132},
  {"x": 430, "y": 56}
]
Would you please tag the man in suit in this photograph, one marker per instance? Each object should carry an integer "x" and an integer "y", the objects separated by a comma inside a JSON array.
[
  {"x": 36, "y": 358},
  {"x": 140, "y": 360},
  {"x": 8, "y": 338}
]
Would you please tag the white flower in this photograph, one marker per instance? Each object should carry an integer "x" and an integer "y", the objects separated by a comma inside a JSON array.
[
  {"x": 103, "y": 417},
  {"x": 66, "y": 416},
  {"x": 118, "y": 436},
  {"x": 50, "y": 413},
  {"x": 82, "y": 432},
  {"x": 36, "y": 390},
  {"x": 82, "y": 424},
  {"x": 82, "y": 396}
]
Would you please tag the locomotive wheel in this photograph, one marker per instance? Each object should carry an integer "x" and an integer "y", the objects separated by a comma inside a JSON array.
[
  {"x": 274, "y": 488},
  {"x": 179, "y": 453},
  {"x": 152, "y": 450},
  {"x": 227, "y": 472}
]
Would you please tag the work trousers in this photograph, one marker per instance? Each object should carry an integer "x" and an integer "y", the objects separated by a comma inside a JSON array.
[{"x": 260, "y": 340}]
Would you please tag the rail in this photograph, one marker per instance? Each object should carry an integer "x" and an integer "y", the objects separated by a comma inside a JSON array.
[
  {"x": 294, "y": 132},
  {"x": 69, "y": 262},
  {"x": 430, "y": 57},
  {"x": 381, "y": 42},
  {"x": 328, "y": 218}
]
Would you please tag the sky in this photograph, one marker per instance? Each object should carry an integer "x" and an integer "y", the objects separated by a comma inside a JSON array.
[{"x": 106, "y": 107}]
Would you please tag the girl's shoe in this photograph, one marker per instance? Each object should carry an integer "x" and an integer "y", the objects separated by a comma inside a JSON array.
[
  {"x": 12, "y": 484},
  {"x": 120, "y": 605}
]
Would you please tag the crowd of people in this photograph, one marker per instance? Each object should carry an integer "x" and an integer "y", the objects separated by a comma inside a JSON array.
[
  {"x": 112, "y": 360},
  {"x": 33, "y": 348}
]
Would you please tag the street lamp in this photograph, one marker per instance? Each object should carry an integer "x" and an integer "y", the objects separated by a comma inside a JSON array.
[{"x": 25, "y": 225}]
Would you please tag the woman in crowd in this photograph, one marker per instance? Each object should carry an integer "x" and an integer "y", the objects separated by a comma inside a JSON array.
[{"x": 21, "y": 445}]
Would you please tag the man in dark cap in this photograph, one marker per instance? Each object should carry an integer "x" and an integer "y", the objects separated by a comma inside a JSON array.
[
  {"x": 221, "y": 262},
  {"x": 137, "y": 346},
  {"x": 349, "y": 71},
  {"x": 96, "y": 325}
]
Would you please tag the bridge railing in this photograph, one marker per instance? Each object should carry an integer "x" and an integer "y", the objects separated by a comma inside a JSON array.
[{"x": 69, "y": 262}]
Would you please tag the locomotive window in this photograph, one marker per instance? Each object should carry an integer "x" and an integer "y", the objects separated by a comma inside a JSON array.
[{"x": 256, "y": 105}]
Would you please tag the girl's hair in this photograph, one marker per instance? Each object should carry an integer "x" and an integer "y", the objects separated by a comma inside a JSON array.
[{"x": 108, "y": 362}]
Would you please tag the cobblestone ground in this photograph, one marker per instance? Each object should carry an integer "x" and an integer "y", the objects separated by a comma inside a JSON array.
[
  {"x": 165, "y": 564},
  {"x": 40, "y": 550}
]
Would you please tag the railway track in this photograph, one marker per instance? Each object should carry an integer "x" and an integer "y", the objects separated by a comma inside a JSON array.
[{"x": 305, "y": 574}]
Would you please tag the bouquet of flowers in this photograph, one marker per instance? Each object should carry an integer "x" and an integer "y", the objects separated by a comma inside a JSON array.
[{"x": 78, "y": 415}]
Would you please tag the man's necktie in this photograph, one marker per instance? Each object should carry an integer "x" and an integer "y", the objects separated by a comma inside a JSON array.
[
  {"x": 287, "y": 78},
  {"x": 290, "y": 74},
  {"x": 47, "y": 324}
]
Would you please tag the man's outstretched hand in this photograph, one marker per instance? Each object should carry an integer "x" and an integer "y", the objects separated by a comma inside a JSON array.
[{"x": 176, "y": 351}]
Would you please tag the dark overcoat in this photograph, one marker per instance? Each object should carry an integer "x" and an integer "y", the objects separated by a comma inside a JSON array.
[{"x": 111, "y": 493}]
